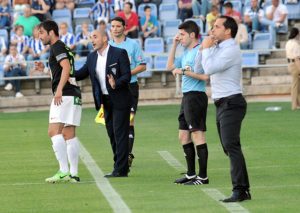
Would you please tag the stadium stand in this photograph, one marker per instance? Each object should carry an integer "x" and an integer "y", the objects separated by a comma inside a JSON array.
[
  {"x": 153, "y": 9},
  {"x": 85, "y": 3},
  {"x": 168, "y": 12},
  {"x": 170, "y": 27},
  {"x": 154, "y": 45},
  {"x": 294, "y": 10},
  {"x": 78, "y": 28},
  {"x": 81, "y": 15},
  {"x": 4, "y": 34}
]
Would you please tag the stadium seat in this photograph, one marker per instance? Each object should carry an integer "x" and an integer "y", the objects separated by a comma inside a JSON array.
[
  {"x": 250, "y": 59},
  {"x": 1, "y": 74},
  {"x": 199, "y": 22},
  {"x": 85, "y": 3},
  {"x": 262, "y": 41},
  {"x": 81, "y": 15},
  {"x": 154, "y": 45},
  {"x": 63, "y": 15},
  {"x": 4, "y": 34},
  {"x": 160, "y": 62},
  {"x": 168, "y": 12},
  {"x": 147, "y": 73},
  {"x": 169, "y": 1},
  {"x": 79, "y": 63},
  {"x": 78, "y": 28},
  {"x": 170, "y": 27},
  {"x": 169, "y": 42},
  {"x": 294, "y": 11},
  {"x": 153, "y": 9}
]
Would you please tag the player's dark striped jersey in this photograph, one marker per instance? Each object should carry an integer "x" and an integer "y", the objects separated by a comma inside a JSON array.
[{"x": 58, "y": 52}]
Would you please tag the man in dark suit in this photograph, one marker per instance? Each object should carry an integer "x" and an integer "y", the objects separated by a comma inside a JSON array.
[{"x": 109, "y": 71}]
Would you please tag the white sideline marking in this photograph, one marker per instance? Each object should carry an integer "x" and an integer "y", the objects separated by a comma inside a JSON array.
[
  {"x": 114, "y": 199},
  {"x": 213, "y": 193}
]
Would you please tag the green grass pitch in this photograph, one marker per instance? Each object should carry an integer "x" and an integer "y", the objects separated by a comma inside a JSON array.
[{"x": 270, "y": 141}]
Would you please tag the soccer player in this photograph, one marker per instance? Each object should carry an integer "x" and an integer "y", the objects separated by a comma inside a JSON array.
[
  {"x": 65, "y": 109},
  {"x": 192, "y": 115},
  {"x": 137, "y": 65}
]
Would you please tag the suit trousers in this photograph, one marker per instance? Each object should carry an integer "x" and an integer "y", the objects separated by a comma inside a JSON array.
[
  {"x": 230, "y": 114},
  {"x": 117, "y": 126},
  {"x": 295, "y": 93}
]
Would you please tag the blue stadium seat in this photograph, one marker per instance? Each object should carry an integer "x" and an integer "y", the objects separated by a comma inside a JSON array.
[
  {"x": 147, "y": 73},
  {"x": 160, "y": 62},
  {"x": 81, "y": 15},
  {"x": 79, "y": 63},
  {"x": 62, "y": 13},
  {"x": 294, "y": 11},
  {"x": 262, "y": 41},
  {"x": 170, "y": 27},
  {"x": 250, "y": 59},
  {"x": 78, "y": 28},
  {"x": 168, "y": 11},
  {"x": 199, "y": 22},
  {"x": 154, "y": 45},
  {"x": 153, "y": 9},
  {"x": 169, "y": 1},
  {"x": 85, "y": 3},
  {"x": 4, "y": 34},
  {"x": 1, "y": 74}
]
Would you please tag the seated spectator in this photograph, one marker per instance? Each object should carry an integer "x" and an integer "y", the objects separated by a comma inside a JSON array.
[
  {"x": 19, "y": 39},
  {"x": 40, "y": 9},
  {"x": 4, "y": 14},
  {"x": 185, "y": 9},
  {"x": 39, "y": 69},
  {"x": 14, "y": 65},
  {"x": 19, "y": 6},
  {"x": 28, "y": 21},
  {"x": 61, "y": 4},
  {"x": 65, "y": 36},
  {"x": 3, "y": 49},
  {"x": 83, "y": 42},
  {"x": 103, "y": 28},
  {"x": 148, "y": 23},
  {"x": 131, "y": 19},
  {"x": 100, "y": 11},
  {"x": 119, "y": 5},
  {"x": 37, "y": 50},
  {"x": 212, "y": 17},
  {"x": 241, "y": 37},
  {"x": 276, "y": 19},
  {"x": 229, "y": 11},
  {"x": 253, "y": 16}
]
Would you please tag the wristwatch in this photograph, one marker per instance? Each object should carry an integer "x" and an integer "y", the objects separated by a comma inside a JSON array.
[{"x": 183, "y": 71}]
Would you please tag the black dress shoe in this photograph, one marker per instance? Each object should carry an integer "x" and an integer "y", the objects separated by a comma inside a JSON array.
[
  {"x": 238, "y": 196},
  {"x": 112, "y": 175}
]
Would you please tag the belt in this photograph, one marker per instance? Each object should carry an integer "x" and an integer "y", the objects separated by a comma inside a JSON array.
[
  {"x": 291, "y": 60},
  {"x": 220, "y": 101}
]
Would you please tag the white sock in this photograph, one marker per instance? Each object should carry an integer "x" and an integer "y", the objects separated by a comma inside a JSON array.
[
  {"x": 60, "y": 149},
  {"x": 73, "y": 155}
]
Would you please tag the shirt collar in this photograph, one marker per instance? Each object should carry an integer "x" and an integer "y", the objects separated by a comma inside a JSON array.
[
  {"x": 104, "y": 53},
  {"x": 226, "y": 43}
]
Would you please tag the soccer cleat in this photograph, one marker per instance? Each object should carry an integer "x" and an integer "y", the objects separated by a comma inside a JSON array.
[
  {"x": 130, "y": 159},
  {"x": 74, "y": 179},
  {"x": 58, "y": 177},
  {"x": 185, "y": 179},
  {"x": 197, "y": 181}
]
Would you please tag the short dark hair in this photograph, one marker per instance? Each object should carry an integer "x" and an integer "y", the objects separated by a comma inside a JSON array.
[
  {"x": 231, "y": 24},
  {"x": 147, "y": 7},
  {"x": 130, "y": 4},
  {"x": 119, "y": 19},
  {"x": 190, "y": 27},
  {"x": 49, "y": 25},
  {"x": 294, "y": 32},
  {"x": 228, "y": 4}
]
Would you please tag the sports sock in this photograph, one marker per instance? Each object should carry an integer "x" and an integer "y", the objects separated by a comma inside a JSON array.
[
  {"x": 131, "y": 138},
  {"x": 202, "y": 154},
  {"x": 189, "y": 151},
  {"x": 60, "y": 149},
  {"x": 73, "y": 155}
]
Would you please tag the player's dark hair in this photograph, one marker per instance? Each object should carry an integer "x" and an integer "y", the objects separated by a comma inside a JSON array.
[
  {"x": 49, "y": 25},
  {"x": 294, "y": 32},
  {"x": 190, "y": 27},
  {"x": 231, "y": 24},
  {"x": 147, "y": 7},
  {"x": 130, "y": 4},
  {"x": 119, "y": 19}
]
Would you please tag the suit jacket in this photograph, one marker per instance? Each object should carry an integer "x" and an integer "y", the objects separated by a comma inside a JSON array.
[{"x": 117, "y": 64}]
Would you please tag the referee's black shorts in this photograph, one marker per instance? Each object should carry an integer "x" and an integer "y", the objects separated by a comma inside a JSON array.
[
  {"x": 192, "y": 115},
  {"x": 134, "y": 89}
]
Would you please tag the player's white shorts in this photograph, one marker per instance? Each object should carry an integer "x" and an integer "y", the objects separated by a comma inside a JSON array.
[{"x": 69, "y": 112}]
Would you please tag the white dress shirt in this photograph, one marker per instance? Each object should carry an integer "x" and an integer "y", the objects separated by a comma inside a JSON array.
[{"x": 101, "y": 70}]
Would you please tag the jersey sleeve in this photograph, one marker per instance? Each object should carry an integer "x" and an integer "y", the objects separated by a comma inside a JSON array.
[
  {"x": 60, "y": 52},
  {"x": 138, "y": 55}
]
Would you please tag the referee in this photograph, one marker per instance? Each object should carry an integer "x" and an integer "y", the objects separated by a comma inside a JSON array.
[{"x": 137, "y": 65}]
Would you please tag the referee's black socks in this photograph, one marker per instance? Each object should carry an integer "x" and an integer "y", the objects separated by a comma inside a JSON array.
[
  {"x": 189, "y": 151},
  {"x": 202, "y": 154}
]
